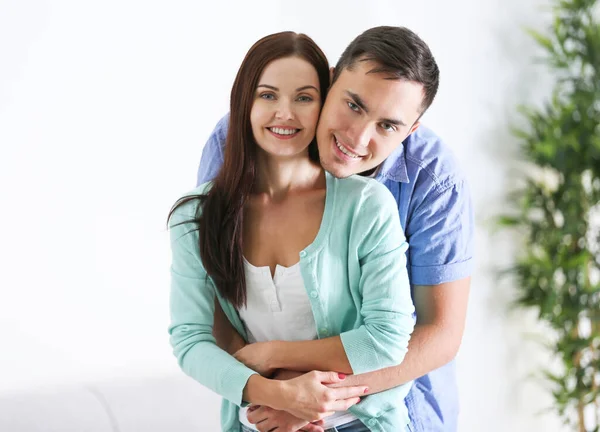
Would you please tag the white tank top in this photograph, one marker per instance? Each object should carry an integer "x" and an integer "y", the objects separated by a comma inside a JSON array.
[{"x": 278, "y": 308}]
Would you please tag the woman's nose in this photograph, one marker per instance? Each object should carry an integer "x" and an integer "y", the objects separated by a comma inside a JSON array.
[{"x": 284, "y": 111}]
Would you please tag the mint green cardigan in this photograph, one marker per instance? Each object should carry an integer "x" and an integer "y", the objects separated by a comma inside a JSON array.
[{"x": 356, "y": 279}]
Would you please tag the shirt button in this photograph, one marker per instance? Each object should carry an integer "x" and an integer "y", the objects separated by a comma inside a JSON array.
[
  {"x": 302, "y": 254},
  {"x": 372, "y": 422},
  {"x": 314, "y": 294}
]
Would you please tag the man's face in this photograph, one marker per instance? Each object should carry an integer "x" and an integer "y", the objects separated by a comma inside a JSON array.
[{"x": 365, "y": 118}]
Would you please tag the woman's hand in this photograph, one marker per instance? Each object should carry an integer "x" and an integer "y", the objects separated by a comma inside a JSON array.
[
  {"x": 266, "y": 419},
  {"x": 308, "y": 397},
  {"x": 257, "y": 356}
]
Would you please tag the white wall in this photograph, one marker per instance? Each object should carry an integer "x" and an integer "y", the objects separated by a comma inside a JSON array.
[{"x": 104, "y": 109}]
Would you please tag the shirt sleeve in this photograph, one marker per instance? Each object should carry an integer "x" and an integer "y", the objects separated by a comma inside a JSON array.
[
  {"x": 192, "y": 314},
  {"x": 441, "y": 237},
  {"x": 212, "y": 154},
  {"x": 387, "y": 307}
]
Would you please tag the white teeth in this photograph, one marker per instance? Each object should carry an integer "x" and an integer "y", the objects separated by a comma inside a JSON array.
[
  {"x": 343, "y": 149},
  {"x": 281, "y": 131}
]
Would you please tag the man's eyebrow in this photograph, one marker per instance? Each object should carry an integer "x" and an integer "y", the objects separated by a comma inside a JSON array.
[
  {"x": 358, "y": 101},
  {"x": 306, "y": 87},
  {"x": 395, "y": 122}
]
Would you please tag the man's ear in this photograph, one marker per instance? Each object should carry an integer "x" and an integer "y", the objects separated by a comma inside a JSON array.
[
  {"x": 331, "y": 72},
  {"x": 413, "y": 128}
]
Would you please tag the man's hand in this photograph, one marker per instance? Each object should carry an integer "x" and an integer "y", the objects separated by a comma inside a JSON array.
[
  {"x": 266, "y": 419},
  {"x": 257, "y": 356}
]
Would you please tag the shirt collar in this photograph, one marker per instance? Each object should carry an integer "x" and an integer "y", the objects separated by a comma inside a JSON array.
[{"x": 394, "y": 167}]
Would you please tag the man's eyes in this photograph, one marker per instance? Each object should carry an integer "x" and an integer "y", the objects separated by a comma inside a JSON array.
[
  {"x": 353, "y": 106},
  {"x": 387, "y": 127}
]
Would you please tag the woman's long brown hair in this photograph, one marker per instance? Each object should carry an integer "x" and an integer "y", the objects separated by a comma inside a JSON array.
[{"x": 220, "y": 217}]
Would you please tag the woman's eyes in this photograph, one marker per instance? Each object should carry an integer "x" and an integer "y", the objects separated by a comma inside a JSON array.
[
  {"x": 271, "y": 96},
  {"x": 267, "y": 96}
]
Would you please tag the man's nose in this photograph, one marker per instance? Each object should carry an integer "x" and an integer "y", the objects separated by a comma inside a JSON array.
[{"x": 360, "y": 134}]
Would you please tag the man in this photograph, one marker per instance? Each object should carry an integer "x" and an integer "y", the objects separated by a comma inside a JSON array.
[{"x": 383, "y": 83}]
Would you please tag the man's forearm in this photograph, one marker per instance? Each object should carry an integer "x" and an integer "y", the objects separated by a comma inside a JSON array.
[
  {"x": 441, "y": 312},
  {"x": 227, "y": 338},
  {"x": 235, "y": 344},
  {"x": 322, "y": 354},
  {"x": 429, "y": 348}
]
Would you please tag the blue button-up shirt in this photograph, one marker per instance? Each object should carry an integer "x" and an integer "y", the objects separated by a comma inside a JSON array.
[{"x": 436, "y": 213}]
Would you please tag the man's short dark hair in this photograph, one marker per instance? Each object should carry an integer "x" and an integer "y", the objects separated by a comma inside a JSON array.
[{"x": 398, "y": 52}]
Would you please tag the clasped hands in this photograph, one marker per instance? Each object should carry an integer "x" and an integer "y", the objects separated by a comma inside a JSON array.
[{"x": 307, "y": 398}]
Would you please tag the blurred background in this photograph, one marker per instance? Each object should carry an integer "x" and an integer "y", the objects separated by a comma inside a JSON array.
[{"x": 104, "y": 110}]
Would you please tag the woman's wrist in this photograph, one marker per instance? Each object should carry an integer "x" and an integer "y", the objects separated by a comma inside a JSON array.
[{"x": 264, "y": 391}]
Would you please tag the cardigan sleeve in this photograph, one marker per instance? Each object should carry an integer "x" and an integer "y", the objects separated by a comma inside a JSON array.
[
  {"x": 387, "y": 308},
  {"x": 192, "y": 313}
]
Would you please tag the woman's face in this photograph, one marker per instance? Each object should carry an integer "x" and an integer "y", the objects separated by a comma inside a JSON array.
[{"x": 286, "y": 107}]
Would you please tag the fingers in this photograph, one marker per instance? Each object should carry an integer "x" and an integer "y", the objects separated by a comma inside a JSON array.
[
  {"x": 346, "y": 392},
  {"x": 265, "y": 426},
  {"x": 325, "y": 415},
  {"x": 342, "y": 405},
  {"x": 312, "y": 427},
  {"x": 264, "y": 423},
  {"x": 266, "y": 419},
  {"x": 258, "y": 414},
  {"x": 329, "y": 377}
]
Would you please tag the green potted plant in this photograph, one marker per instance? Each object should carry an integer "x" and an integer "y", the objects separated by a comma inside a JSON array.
[{"x": 556, "y": 211}]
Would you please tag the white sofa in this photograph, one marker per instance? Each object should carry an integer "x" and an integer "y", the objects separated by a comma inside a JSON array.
[{"x": 140, "y": 405}]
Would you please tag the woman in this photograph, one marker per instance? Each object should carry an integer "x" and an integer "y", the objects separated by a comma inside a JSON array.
[{"x": 310, "y": 267}]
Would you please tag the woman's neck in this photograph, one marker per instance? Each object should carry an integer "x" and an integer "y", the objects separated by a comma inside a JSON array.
[{"x": 277, "y": 176}]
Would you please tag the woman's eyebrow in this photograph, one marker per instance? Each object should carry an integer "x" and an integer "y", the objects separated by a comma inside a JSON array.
[{"x": 298, "y": 89}]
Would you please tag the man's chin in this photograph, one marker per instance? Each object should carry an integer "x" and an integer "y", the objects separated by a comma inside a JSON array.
[
  {"x": 336, "y": 170},
  {"x": 339, "y": 175}
]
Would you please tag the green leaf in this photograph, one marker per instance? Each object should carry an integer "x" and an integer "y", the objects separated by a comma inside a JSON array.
[{"x": 543, "y": 41}]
